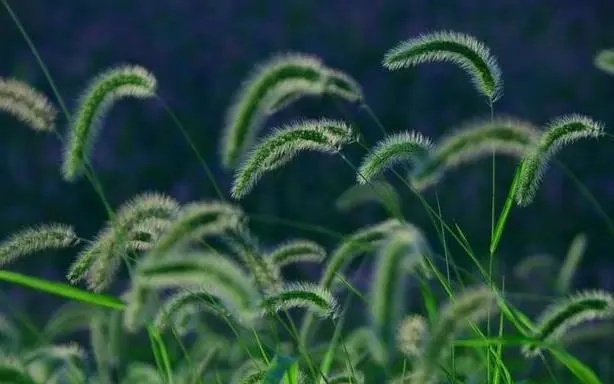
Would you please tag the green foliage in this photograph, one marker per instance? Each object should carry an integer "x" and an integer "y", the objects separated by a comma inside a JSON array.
[{"x": 215, "y": 302}]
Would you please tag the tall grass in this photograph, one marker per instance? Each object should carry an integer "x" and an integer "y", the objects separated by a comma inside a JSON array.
[{"x": 215, "y": 302}]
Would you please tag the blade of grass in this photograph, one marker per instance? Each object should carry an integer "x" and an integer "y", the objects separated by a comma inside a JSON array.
[
  {"x": 327, "y": 362},
  {"x": 159, "y": 349},
  {"x": 278, "y": 369},
  {"x": 63, "y": 290},
  {"x": 507, "y": 207},
  {"x": 578, "y": 368}
]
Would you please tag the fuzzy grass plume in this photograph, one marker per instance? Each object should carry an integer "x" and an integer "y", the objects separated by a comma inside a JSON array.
[
  {"x": 100, "y": 260},
  {"x": 106, "y": 89},
  {"x": 36, "y": 239},
  {"x": 272, "y": 86},
  {"x": 364, "y": 240},
  {"x": 265, "y": 273},
  {"x": 214, "y": 273},
  {"x": 197, "y": 220},
  {"x": 411, "y": 335},
  {"x": 27, "y": 105},
  {"x": 245, "y": 117},
  {"x": 198, "y": 301},
  {"x": 297, "y": 251},
  {"x": 446, "y": 46},
  {"x": 472, "y": 141},
  {"x": 324, "y": 135},
  {"x": 340, "y": 84},
  {"x": 301, "y": 295},
  {"x": 400, "y": 254},
  {"x": 396, "y": 148},
  {"x": 559, "y": 133},
  {"x": 562, "y": 315}
]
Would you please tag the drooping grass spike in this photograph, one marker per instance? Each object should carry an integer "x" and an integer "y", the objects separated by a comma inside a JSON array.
[
  {"x": 105, "y": 352},
  {"x": 331, "y": 82},
  {"x": 472, "y": 141},
  {"x": 142, "y": 304},
  {"x": 146, "y": 233},
  {"x": 265, "y": 273},
  {"x": 201, "y": 301},
  {"x": 194, "y": 271},
  {"x": 36, "y": 239},
  {"x": 103, "y": 91},
  {"x": 338, "y": 83},
  {"x": 461, "y": 49},
  {"x": 246, "y": 115},
  {"x": 396, "y": 148},
  {"x": 27, "y": 105},
  {"x": 559, "y": 133},
  {"x": 209, "y": 272},
  {"x": 604, "y": 60},
  {"x": 364, "y": 240},
  {"x": 100, "y": 260},
  {"x": 571, "y": 263},
  {"x": 297, "y": 251},
  {"x": 402, "y": 252},
  {"x": 323, "y": 135},
  {"x": 53, "y": 363},
  {"x": 272, "y": 86},
  {"x": 301, "y": 295},
  {"x": 565, "y": 313},
  {"x": 471, "y": 306},
  {"x": 283, "y": 95},
  {"x": 197, "y": 220},
  {"x": 247, "y": 368}
]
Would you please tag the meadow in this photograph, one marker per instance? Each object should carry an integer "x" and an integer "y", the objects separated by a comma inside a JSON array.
[{"x": 209, "y": 302}]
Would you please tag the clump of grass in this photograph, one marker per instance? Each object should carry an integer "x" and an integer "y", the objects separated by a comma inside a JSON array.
[{"x": 218, "y": 308}]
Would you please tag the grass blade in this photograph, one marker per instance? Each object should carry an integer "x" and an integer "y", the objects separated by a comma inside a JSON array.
[
  {"x": 507, "y": 207},
  {"x": 64, "y": 290}
]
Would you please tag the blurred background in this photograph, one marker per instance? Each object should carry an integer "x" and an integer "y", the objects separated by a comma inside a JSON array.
[{"x": 201, "y": 51}]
